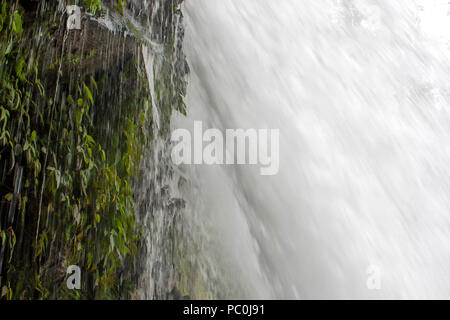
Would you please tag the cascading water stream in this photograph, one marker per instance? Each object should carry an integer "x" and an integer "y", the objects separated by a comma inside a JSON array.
[{"x": 359, "y": 91}]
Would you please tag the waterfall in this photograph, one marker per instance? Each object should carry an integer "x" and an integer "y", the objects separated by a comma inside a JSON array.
[{"x": 360, "y": 93}]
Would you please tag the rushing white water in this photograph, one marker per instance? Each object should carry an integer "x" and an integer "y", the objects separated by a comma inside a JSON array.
[{"x": 360, "y": 93}]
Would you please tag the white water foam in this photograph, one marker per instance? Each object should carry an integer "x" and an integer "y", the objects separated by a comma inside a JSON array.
[{"x": 360, "y": 93}]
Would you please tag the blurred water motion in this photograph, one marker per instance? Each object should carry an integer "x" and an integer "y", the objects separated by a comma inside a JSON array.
[{"x": 360, "y": 93}]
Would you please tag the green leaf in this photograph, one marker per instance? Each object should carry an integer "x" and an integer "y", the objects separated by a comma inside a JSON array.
[
  {"x": 3, "y": 236},
  {"x": 9, "y": 196},
  {"x": 17, "y": 24},
  {"x": 4, "y": 114},
  {"x": 93, "y": 82},
  {"x": 4, "y": 10},
  {"x": 19, "y": 68},
  {"x": 88, "y": 94},
  {"x": 8, "y": 50},
  {"x": 33, "y": 135},
  {"x": 90, "y": 140},
  {"x": 119, "y": 5}
]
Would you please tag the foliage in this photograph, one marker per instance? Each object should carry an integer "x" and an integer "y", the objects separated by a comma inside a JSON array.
[
  {"x": 75, "y": 203},
  {"x": 93, "y": 6},
  {"x": 120, "y": 5}
]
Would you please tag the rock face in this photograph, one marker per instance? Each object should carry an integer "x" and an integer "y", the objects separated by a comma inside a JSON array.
[{"x": 73, "y": 145}]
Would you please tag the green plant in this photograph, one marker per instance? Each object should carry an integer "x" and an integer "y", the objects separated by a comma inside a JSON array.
[
  {"x": 69, "y": 163},
  {"x": 93, "y": 6}
]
